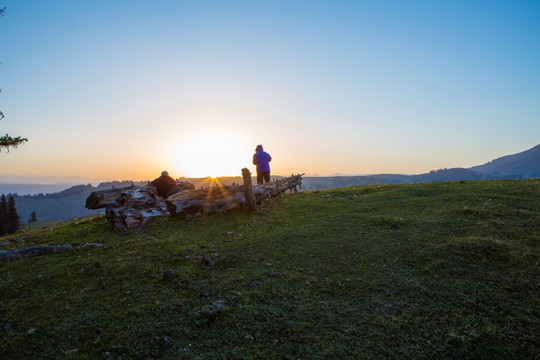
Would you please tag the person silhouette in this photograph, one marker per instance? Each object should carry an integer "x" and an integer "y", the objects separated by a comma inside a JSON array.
[
  {"x": 166, "y": 186},
  {"x": 262, "y": 159}
]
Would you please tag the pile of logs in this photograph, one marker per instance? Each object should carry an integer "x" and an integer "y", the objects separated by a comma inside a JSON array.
[{"x": 135, "y": 207}]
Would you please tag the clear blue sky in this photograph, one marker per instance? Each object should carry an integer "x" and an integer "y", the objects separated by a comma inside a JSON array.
[{"x": 124, "y": 89}]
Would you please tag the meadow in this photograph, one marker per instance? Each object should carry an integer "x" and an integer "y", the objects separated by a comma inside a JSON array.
[{"x": 422, "y": 271}]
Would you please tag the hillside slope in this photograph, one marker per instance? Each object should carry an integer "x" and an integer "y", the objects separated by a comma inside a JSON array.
[
  {"x": 61, "y": 208},
  {"x": 526, "y": 164},
  {"x": 423, "y": 271}
]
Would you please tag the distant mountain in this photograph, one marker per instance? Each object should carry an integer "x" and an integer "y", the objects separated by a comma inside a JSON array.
[
  {"x": 524, "y": 164},
  {"x": 32, "y": 189},
  {"x": 452, "y": 174}
]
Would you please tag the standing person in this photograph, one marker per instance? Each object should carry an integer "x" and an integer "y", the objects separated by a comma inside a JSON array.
[
  {"x": 262, "y": 159},
  {"x": 166, "y": 186}
]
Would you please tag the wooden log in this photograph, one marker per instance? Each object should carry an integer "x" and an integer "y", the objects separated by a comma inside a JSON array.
[
  {"x": 250, "y": 195},
  {"x": 206, "y": 200},
  {"x": 100, "y": 199},
  {"x": 277, "y": 187}
]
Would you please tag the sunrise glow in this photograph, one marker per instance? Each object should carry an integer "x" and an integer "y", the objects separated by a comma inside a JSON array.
[{"x": 211, "y": 152}]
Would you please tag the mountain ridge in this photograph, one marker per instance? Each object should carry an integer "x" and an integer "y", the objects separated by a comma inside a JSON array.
[{"x": 524, "y": 163}]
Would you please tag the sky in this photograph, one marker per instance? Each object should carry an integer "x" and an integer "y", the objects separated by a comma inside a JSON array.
[{"x": 120, "y": 89}]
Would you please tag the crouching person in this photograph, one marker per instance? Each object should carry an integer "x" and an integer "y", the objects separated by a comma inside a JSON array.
[{"x": 166, "y": 186}]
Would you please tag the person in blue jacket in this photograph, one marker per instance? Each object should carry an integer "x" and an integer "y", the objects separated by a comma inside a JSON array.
[{"x": 262, "y": 159}]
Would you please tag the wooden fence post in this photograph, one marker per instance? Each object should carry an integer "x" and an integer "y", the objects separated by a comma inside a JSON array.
[{"x": 250, "y": 196}]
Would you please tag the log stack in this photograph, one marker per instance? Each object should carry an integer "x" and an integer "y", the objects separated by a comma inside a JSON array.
[
  {"x": 100, "y": 199},
  {"x": 134, "y": 207}
]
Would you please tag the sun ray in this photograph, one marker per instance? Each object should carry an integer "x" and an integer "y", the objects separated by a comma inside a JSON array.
[
  {"x": 210, "y": 191},
  {"x": 212, "y": 184}
]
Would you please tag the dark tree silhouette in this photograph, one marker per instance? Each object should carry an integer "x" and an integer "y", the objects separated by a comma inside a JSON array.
[
  {"x": 3, "y": 215},
  {"x": 33, "y": 217},
  {"x": 13, "y": 219},
  {"x": 7, "y": 141}
]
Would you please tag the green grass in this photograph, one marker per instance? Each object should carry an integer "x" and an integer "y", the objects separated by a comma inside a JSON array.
[
  {"x": 41, "y": 224},
  {"x": 38, "y": 225},
  {"x": 424, "y": 271}
]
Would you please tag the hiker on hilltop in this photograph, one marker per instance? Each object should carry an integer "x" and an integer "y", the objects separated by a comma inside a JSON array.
[
  {"x": 262, "y": 159},
  {"x": 166, "y": 186}
]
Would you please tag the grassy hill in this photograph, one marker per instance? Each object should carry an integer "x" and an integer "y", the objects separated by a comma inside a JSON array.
[{"x": 439, "y": 270}]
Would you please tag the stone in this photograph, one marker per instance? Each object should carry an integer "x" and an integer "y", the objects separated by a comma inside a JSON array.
[
  {"x": 212, "y": 310},
  {"x": 170, "y": 274}
]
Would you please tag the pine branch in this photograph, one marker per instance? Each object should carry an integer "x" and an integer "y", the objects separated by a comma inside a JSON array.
[{"x": 7, "y": 142}]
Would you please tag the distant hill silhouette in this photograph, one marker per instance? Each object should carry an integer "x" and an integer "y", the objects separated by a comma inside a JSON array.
[
  {"x": 447, "y": 175},
  {"x": 63, "y": 205},
  {"x": 525, "y": 164}
]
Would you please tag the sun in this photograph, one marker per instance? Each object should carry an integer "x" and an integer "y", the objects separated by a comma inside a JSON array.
[{"x": 211, "y": 152}]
